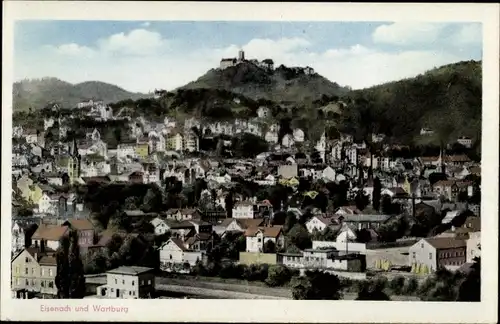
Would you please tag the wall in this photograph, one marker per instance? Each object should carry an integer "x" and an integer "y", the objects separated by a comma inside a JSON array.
[{"x": 251, "y": 258}]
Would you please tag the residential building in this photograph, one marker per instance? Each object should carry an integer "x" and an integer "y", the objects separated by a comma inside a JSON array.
[
  {"x": 175, "y": 142},
  {"x": 33, "y": 272},
  {"x": 473, "y": 244},
  {"x": 142, "y": 148},
  {"x": 433, "y": 253},
  {"x": 175, "y": 256},
  {"x": 18, "y": 237},
  {"x": 319, "y": 223},
  {"x": 258, "y": 237},
  {"x": 128, "y": 282}
]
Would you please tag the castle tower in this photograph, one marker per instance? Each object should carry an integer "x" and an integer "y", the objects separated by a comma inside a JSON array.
[{"x": 241, "y": 55}]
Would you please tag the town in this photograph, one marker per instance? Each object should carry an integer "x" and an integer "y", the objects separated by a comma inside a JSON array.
[{"x": 123, "y": 206}]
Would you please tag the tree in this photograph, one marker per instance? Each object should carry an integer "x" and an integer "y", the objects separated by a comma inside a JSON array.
[
  {"x": 62, "y": 279},
  {"x": 278, "y": 275},
  {"x": 290, "y": 222},
  {"x": 386, "y": 204},
  {"x": 77, "y": 279},
  {"x": 470, "y": 289},
  {"x": 372, "y": 290},
  {"x": 316, "y": 285},
  {"x": 362, "y": 200},
  {"x": 377, "y": 187},
  {"x": 70, "y": 280},
  {"x": 299, "y": 236},
  {"x": 397, "y": 285},
  {"x": 229, "y": 202}
]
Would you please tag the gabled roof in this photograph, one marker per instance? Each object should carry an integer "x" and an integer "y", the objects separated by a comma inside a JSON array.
[
  {"x": 179, "y": 243},
  {"x": 80, "y": 224},
  {"x": 273, "y": 231},
  {"x": 441, "y": 243},
  {"x": 133, "y": 270},
  {"x": 50, "y": 232}
]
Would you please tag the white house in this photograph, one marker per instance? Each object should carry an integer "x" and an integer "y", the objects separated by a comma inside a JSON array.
[
  {"x": 269, "y": 180},
  {"x": 432, "y": 253},
  {"x": 473, "y": 246},
  {"x": 17, "y": 237},
  {"x": 287, "y": 141},
  {"x": 263, "y": 112},
  {"x": 257, "y": 238},
  {"x": 125, "y": 150},
  {"x": 160, "y": 226},
  {"x": 318, "y": 223},
  {"x": 271, "y": 136},
  {"x": 174, "y": 252},
  {"x": 243, "y": 209},
  {"x": 298, "y": 135},
  {"x": 47, "y": 205}
]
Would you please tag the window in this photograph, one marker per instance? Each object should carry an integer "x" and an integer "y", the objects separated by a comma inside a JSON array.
[
  {"x": 27, "y": 260},
  {"x": 27, "y": 282},
  {"x": 26, "y": 271},
  {"x": 133, "y": 293},
  {"x": 430, "y": 256},
  {"x": 42, "y": 283},
  {"x": 130, "y": 293},
  {"x": 170, "y": 256},
  {"x": 259, "y": 240},
  {"x": 422, "y": 245},
  {"x": 133, "y": 282},
  {"x": 112, "y": 289},
  {"x": 18, "y": 282},
  {"x": 50, "y": 272},
  {"x": 116, "y": 281},
  {"x": 149, "y": 282},
  {"x": 123, "y": 282}
]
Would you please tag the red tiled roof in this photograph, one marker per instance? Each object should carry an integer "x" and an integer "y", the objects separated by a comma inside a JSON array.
[
  {"x": 50, "y": 232},
  {"x": 441, "y": 243},
  {"x": 273, "y": 231}
]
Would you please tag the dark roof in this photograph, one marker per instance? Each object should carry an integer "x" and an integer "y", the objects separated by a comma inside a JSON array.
[
  {"x": 441, "y": 243},
  {"x": 132, "y": 270}
]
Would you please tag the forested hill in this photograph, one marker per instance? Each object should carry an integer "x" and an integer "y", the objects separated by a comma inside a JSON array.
[
  {"x": 447, "y": 100},
  {"x": 37, "y": 93},
  {"x": 282, "y": 84}
]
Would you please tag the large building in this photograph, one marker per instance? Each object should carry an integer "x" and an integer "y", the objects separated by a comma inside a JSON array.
[{"x": 128, "y": 283}]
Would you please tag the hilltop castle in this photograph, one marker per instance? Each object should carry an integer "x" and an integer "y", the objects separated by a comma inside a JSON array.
[{"x": 227, "y": 62}]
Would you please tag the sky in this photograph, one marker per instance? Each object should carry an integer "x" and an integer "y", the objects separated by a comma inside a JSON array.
[{"x": 141, "y": 56}]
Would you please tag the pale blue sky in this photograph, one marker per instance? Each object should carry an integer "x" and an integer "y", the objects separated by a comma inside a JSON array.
[{"x": 143, "y": 55}]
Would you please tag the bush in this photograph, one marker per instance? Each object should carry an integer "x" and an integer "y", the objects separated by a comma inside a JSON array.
[
  {"x": 411, "y": 286},
  {"x": 256, "y": 272},
  {"x": 278, "y": 275},
  {"x": 397, "y": 285},
  {"x": 316, "y": 285}
]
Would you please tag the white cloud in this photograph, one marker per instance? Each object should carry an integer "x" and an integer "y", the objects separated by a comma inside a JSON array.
[
  {"x": 146, "y": 24},
  {"x": 136, "y": 42},
  {"x": 407, "y": 33},
  {"x": 469, "y": 34},
  {"x": 157, "y": 63}
]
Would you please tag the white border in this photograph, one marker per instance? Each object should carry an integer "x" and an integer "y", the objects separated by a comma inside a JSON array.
[{"x": 270, "y": 310}]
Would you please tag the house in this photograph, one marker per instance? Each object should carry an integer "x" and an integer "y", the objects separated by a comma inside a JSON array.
[
  {"x": 85, "y": 231},
  {"x": 49, "y": 235},
  {"x": 237, "y": 225},
  {"x": 431, "y": 254},
  {"x": 183, "y": 214},
  {"x": 33, "y": 272},
  {"x": 160, "y": 225},
  {"x": 175, "y": 141},
  {"x": 287, "y": 141},
  {"x": 328, "y": 174},
  {"x": 142, "y": 148},
  {"x": 319, "y": 223},
  {"x": 395, "y": 192},
  {"x": 360, "y": 221},
  {"x": 18, "y": 237},
  {"x": 174, "y": 255},
  {"x": 263, "y": 112},
  {"x": 243, "y": 209},
  {"x": 465, "y": 141},
  {"x": 347, "y": 210},
  {"x": 257, "y": 238},
  {"x": 191, "y": 141},
  {"x": 136, "y": 177},
  {"x": 298, "y": 135},
  {"x": 227, "y": 62},
  {"x": 126, "y": 149},
  {"x": 473, "y": 244},
  {"x": 128, "y": 282}
]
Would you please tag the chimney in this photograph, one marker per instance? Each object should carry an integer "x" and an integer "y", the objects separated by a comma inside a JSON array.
[{"x": 42, "y": 246}]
